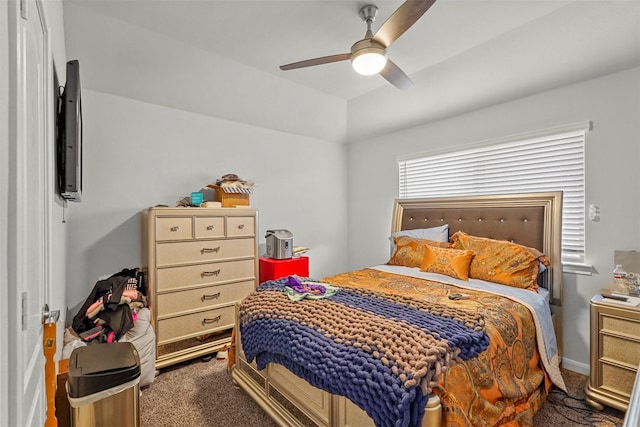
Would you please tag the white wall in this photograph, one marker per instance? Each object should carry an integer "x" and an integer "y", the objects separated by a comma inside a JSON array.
[
  {"x": 612, "y": 179},
  {"x": 138, "y": 155},
  {"x": 139, "y": 64}
]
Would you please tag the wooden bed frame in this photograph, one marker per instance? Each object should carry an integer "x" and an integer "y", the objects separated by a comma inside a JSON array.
[{"x": 529, "y": 219}]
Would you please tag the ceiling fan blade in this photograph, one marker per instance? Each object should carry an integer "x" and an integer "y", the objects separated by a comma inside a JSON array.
[
  {"x": 316, "y": 61},
  {"x": 394, "y": 75},
  {"x": 401, "y": 20}
]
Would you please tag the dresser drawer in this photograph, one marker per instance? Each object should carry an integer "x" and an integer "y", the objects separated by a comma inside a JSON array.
[
  {"x": 174, "y": 228},
  {"x": 194, "y": 324},
  {"x": 209, "y": 227},
  {"x": 620, "y": 350},
  {"x": 201, "y": 298},
  {"x": 203, "y": 251},
  {"x": 175, "y": 278},
  {"x": 238, "y": 226}
]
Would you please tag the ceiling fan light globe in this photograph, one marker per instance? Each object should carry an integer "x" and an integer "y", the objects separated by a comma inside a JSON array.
[{"x": 367, "y": 62}]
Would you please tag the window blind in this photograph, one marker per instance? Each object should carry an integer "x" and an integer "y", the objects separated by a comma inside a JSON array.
[{"x": 548, "y": 163}]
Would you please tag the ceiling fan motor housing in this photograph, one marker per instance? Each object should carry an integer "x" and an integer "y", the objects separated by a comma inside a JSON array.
[{"x": 368, "y": 56}]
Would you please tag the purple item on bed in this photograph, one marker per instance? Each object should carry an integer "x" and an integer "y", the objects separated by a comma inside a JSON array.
[{"x": 294, "y": 283}]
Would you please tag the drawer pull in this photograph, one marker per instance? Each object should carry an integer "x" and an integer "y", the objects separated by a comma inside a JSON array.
[
  {"x": 175, "y": 228},
  {"x": 241, "y": 226},
  {"x": 212, "y": 320},
  {"x": 208, "y": 297},
  {"x": 210, "y": 273},
  {"x": 210, "y": 227},
  {"x": 209, "y": 250}
]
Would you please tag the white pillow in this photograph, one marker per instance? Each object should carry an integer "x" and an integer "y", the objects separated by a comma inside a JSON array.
[{"x": 438, "y": 234}]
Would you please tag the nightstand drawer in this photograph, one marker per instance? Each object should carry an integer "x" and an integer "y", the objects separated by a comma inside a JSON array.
[
  {"x": 201, "y": 298},
  {"x": 203, "y": 251},
  {"x": 209, "y": 227},
  {"x": 195, "y": 324},
  {"x": 626, "y": 326},
  {"x": 174, "y": 228},
  {"x": 620, "y": 350},
  {"x": 618, "y": 379},
  {"x": 240, "y": 226},
  {"x": 176, "y": 278}
]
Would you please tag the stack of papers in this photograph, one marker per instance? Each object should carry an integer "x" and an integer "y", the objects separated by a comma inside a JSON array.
[{"x": 299, "y": 251}]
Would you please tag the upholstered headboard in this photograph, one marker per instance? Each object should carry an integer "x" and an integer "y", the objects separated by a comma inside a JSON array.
[{"x": 533, "y": 219}]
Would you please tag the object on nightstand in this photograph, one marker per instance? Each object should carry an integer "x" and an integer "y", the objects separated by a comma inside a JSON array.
[
  {"x": 298, "y": 251},
  {"x": 630, "y": 263},
  {"x": 279, "y": 244},
  {"x": 619, "y": 279}
]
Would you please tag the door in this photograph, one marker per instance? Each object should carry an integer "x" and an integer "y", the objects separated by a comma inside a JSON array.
[{"x": 29, "y": 172}]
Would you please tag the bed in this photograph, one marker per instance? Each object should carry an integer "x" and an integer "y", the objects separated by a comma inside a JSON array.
[{"x": 404, "y": 344}]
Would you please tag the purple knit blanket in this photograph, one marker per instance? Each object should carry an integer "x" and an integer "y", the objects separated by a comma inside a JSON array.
[{"x": 383, "y": 352}]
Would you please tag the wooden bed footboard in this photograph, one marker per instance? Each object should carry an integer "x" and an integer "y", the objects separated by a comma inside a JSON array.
[{"x": 291, "y": 401}]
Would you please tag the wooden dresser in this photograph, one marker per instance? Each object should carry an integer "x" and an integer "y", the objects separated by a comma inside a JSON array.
[
  {"x": 199, "y": 263},
  {"x": 615, "y": 353}
]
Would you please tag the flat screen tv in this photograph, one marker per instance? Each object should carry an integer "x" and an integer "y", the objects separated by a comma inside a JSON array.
[{"x": 69, "y": 136}]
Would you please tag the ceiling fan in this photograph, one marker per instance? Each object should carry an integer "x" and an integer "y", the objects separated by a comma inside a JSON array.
[{"x": 369, "y": 55}]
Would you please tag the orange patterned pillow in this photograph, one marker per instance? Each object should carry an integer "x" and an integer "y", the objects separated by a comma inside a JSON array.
[
  {"x": 542, "y": 258},
  {"x": 410, "y": 251},
  {"x": 451, "y": 262},
  {"x": 499, "y": 261}
]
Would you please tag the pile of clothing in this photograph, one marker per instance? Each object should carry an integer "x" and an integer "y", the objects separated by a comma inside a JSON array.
[
  {"x": 107, "y": 313},
  {"x": 116, "y": 310}
]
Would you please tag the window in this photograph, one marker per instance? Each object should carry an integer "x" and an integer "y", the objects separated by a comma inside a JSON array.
[{"x": 525, "y": 164}]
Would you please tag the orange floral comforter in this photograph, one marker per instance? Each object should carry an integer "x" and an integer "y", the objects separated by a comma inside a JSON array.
[{"x": 506, "y": 384}]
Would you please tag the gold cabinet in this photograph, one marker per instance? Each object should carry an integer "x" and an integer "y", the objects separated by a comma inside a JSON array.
[
  {"x": 615, "y": 353},
  {"x": 199, "y": 263}
]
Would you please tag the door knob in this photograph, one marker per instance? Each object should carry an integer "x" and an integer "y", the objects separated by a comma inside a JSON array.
[{"x": 49, "y": 316}]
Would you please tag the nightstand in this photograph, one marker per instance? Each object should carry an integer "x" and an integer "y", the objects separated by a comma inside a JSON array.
[
  {"x": 272, "y": 269},
  {"x": 615, "y": 353}
]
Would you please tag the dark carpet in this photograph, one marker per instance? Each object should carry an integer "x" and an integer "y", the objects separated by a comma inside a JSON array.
[{"x": 201, "y": 394}]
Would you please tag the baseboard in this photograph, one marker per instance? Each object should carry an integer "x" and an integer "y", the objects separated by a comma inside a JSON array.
[{"x": 572, "y": 365}]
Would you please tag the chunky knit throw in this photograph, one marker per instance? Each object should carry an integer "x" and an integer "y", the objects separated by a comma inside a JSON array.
[{"x": 383, "y": 352}]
